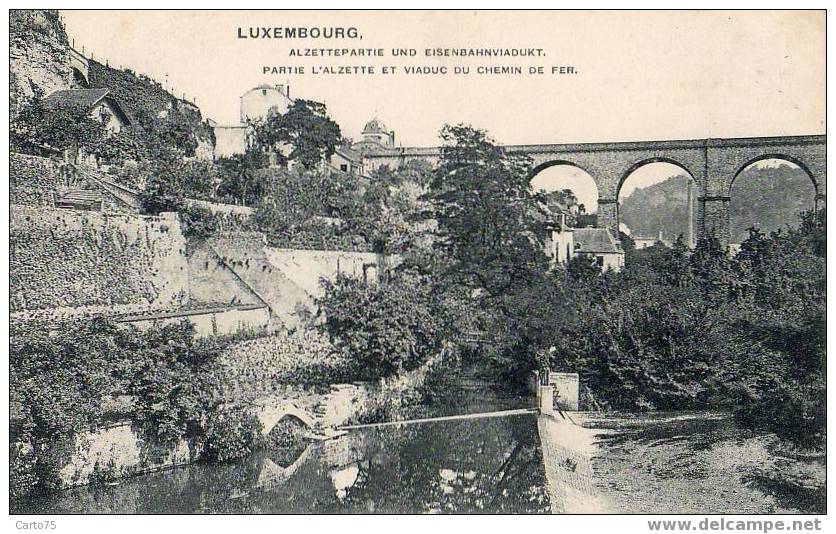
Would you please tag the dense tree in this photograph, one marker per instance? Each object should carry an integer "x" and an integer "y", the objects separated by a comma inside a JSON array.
[
  {"x": 176, "y": 130},
  {"x": 390, "y": 326},
  {"x": 489, "y": 221},
  {"x": 243, "y": 177},
  {"x": 59, "y": 128},
  {"x": 305, "y": 127}
]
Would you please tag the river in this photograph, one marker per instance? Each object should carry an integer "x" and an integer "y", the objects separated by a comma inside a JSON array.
[
  {"x": 696, "y": 462},
  {"x": 491, "y": 465}
]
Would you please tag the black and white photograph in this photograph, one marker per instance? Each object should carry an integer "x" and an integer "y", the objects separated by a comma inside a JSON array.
[{"x": 401, "y": 262}]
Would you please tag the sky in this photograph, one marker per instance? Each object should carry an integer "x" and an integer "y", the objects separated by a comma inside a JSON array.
[{"x": 640, "y": 75}]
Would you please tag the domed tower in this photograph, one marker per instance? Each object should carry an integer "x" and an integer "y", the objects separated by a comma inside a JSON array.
[{"x": 375, "y": 132}]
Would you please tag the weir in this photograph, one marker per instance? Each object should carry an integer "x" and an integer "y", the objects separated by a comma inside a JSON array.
[{"x": 483, "y": 415}]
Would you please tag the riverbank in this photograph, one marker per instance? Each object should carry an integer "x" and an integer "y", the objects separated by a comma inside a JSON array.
[
  {"x": 467, "y": 465},
  {"x": 674, "y": 463},
  {"x": 124, "y": 450},
  {"x": 699, "y": 463}
]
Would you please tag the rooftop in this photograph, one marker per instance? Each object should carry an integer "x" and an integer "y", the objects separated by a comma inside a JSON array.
[
  {"x": 375, "y": 126},
  {"x": 596, "y": 240},
  {"x": 81, "y": 98},
  {"x": 85, "y": 99}
]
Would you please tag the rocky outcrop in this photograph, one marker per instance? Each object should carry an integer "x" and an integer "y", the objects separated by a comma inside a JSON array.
[{"x": 39, "y": 54}]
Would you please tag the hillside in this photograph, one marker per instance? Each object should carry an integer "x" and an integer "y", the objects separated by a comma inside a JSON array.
[
  {"x": 768, "y": 198},
  {"x": 147, "y": 102},
  {"x": 659, "y": 207},
  {"x": 40, "y": 64}
]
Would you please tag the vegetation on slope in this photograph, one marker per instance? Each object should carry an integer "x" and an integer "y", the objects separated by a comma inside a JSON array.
[{"x": 767, "y": 198}]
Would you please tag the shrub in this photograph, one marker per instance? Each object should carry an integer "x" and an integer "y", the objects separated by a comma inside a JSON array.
[
  {"x": 231, "y": 434},
  {"x": 387, "y": 327},
  {"x": 23, "y": 479},
  {"x": 61, "y": 376},
  {"x": 258, "y": 367}
]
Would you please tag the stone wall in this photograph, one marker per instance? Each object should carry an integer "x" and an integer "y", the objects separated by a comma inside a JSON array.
[
  {"x": 70, "y": 259},
  {"x": 209, "y": 322},
  {"x": 118, "y": 451},
  {"x": 213, "y": 283},
  {"x": 288, "y": 280},
  {"x": 562, "y": 389},
  {"x": 566, "y": 390},
  {"x": 32, "y": 179},
  {"x": 243, "y": 253},
  {"x": 218, "y": 208},
  {"x": 308, "y": 268}
]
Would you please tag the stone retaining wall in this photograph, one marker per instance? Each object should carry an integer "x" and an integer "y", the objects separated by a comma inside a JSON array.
[
  {"x": 209, "y": 322},
  {"x": 32, "y": 179},
  {"x": 120, "y": 450},
  {"x": 67, "y": 259}
]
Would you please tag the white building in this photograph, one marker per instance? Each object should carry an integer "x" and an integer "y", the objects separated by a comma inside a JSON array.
[
  {"x": 599, "y": 243},
  {"x": 261, "y": 101},
  {"x": 641, "y": 242},
  {"x": 560, "y": 239},
  {"x": 255, "y": 104}
]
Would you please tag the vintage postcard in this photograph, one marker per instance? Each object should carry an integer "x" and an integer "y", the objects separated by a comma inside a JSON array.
[{"x": 418, "y": 262}]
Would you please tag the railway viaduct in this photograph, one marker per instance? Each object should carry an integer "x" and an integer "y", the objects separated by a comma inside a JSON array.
[{"x": 713, "y": 164}]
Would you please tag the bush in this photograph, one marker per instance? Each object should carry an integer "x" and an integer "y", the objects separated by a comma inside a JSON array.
[
  {"x": 23, "y": 479},
  {"x": 679, "y": 329},
  {"x": 231, "y": 434},
  {"x": 259, "y": 367},
  {"x": 387, "y": 327},
  {"x": 62, "y": 375}
]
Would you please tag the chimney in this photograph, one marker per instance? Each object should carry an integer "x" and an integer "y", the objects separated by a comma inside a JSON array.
[{"x": 690, "y": 217}]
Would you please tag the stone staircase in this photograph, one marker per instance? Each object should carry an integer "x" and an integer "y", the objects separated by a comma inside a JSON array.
[{"x": 243, "y": 253}]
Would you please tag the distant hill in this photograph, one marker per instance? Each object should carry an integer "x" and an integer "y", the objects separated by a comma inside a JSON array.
[
  {"x": 767, "y": 198},
  {"x": 659, "y": 207}
]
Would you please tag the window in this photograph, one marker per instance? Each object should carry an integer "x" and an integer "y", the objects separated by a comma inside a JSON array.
[
  {"x": 264, "y": 92},
  {"x": 344, "y": 167},
  {"x": 599, "y": 261}
]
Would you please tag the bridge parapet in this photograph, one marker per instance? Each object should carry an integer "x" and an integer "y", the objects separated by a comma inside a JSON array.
[{"x": 80, "y": 63}]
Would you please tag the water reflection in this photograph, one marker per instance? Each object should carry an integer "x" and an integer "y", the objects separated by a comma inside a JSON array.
[{"x": 482, "y": 466}]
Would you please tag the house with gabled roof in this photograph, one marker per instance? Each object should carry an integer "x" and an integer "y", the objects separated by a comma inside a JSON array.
[
  {"x": 97, "y": 102},
  {"x": 600, "y": 245}
]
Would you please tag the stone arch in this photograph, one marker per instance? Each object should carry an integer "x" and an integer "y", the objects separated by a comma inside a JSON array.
[
  {"x": 587, "y": 176},
  {"x": 644, "y": 162},
  {"x": 537, "y": 169},
  {"x": 270, "y": 415},
  {"x": 656, "y": 159},
  {"x": 79, "y": 78},
  {"x": 780, "y": 156},
  {"x": 736, "y": 218}
]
